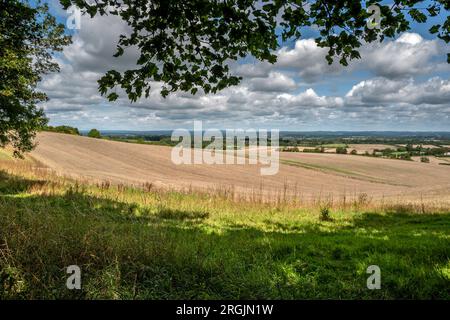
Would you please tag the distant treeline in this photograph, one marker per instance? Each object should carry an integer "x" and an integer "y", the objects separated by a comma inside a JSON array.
[
  {"x": 408, "y": 151},
  {"x": 314, "y": 141},
  {"x": 167, "y": 141},
  {"x": 320, "y": 141},
  {"x": 93, "y": 133},
  {"x": 63, "y": 129}
]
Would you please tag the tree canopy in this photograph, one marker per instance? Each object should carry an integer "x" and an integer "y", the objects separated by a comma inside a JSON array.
[
  {"x": 94, "y": 133},
  {"x": 28, "y": 38},
  {"x": 188, "y": 44},
  {"x": 63, "y": 129}
]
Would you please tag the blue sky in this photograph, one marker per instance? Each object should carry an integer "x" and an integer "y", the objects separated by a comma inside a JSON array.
[{"x": 400, "y": 84}]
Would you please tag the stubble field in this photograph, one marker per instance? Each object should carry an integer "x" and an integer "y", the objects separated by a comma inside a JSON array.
[{"x": 302, "y": 176}]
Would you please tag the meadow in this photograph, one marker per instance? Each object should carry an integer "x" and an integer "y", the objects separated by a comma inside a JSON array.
[{"x": 149, "y": 243}]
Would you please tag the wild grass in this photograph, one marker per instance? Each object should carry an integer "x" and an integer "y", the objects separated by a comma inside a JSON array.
[
  {"x": 4, "y": 154},
  {"x": 147, "y": 243}
]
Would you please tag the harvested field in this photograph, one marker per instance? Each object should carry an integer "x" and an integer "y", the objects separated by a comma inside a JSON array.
[
  {"x": 427, "y": 146},
  {"x": 308, "y": 176},
  {"x": 362, "y": 148},
  {"x": 433, "y": 160}
]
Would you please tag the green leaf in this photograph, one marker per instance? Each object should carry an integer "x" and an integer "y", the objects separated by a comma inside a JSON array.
[
  {"x": 28, "y": 33},
  {"x": 207, "y": 35},
  {"x": 417, "y": 15},
  {"x": 113, "y": 96},
  {"x": 435, "y": 29}
]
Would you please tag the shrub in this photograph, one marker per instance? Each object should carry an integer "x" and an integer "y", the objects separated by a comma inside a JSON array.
[
  {"x": 63, "y": 129},
  {"x": 341, "y": 150},
  {"x": 315, "y": 150},
  {"x": 94, "y": 133},
  {"x": 325, "y": 214},
  {"x": 425, "y": 159},
  {"x": 290, "y": 149}
]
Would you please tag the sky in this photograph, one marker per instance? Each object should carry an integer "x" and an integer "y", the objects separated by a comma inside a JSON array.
[{"x": 401, "y": 84}]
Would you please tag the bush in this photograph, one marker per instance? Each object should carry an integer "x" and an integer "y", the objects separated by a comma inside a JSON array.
[
  {"x": 341, "y": 150},
  {"x": 290, "y": 149},
  {"x": 94, "y": 133},
  {"x": 315, "y": 150},
  {"x": 425, "y": 159},
  {"x": 63, "y": 129},
  {"x": 325, "y": 214}
]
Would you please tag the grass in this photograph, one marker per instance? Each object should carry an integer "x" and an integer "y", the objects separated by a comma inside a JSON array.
[
  {"x": 135, "y": 244},
  {"x": 4, "y": 155}
]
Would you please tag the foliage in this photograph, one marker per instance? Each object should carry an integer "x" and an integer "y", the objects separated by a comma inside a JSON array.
[
  {"x": 341, "y": 150},
  {"x": 325, "y": 214},
  {"x": 315, "y": 150},
  {"x": 63, "y": 129},
  {"x": 94, "y": 133},
  {"x": 188, "y": 44},
  {"x": 28, "y": 38},
  {"x": 290, "y": 149}
]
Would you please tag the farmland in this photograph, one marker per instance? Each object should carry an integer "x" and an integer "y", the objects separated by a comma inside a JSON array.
[
  {"x": 115, "y": 210},
  {"x": 302, "y": 176}
]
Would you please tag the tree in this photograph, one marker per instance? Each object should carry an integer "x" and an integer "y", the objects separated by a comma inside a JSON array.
[
  {"x": 94, "y": 133},
  {"x": 63, "y": 129},
  {"x": 188, "y": 44},
  {"x": 28, "y": 38}
]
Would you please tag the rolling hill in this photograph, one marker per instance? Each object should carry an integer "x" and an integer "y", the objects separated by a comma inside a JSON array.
[{"x": 303, "y": 175}]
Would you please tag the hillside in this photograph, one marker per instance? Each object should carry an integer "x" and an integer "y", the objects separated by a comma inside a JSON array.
[
  {"x": 149, "y": 244},
  {"x": 301, "y": 176}
]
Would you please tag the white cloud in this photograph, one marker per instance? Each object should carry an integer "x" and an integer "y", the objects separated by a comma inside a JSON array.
[
  {"x": 274, "y": 82},
  {"x": 435, "y": 91},
  {"x": 307, "y": 59},
  {"x": 409, "y": 55},
  {"x": 95, "y": 44},
  {"x": 309, "y": 98}
]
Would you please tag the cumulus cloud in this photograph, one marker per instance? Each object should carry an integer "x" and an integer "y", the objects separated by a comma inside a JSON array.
[
  {"x": 409, "y": 55},
  {"x": 435, "y": 91},
  {"x": 274, "y": 82},
  {"x": 95, "y": 44},
  {"x": 307, "y": 59},
  {"x": 309, "y": 98}
]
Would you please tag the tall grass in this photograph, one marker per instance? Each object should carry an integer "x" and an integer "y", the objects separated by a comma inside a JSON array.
[{"x": 150, "y": 243}]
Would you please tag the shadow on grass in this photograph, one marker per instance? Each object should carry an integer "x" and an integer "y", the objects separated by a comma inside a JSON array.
[
  {"x": 130, "y": 252},
  {"x": 13, "y": 185},
  {"x": 173, "y": 214}
]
